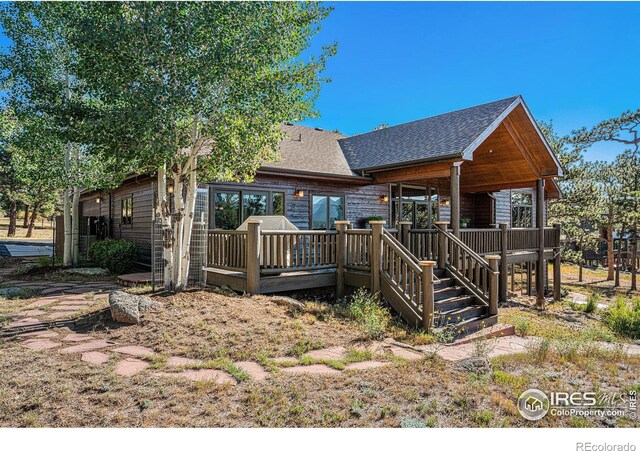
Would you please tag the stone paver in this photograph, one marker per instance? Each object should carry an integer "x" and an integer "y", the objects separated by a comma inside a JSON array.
[
  {"x": 40, "y": 334},
  {"x": 58, "y": 315},
  {"x": 366, "y": 365},
  {"x": 136, "y": 351},
  {"x": 334, "y": 353},
  {"x": 42, "y": 302},
  {"x": 70, "y": 308},
  {"x": 28, "y": 321},
  {"x": 202, "y": 375},
  {"x": 94, "y": 357},
  {"x": 77, "y": 337},
  {"x": 88, "y": 346},
  {"x": 31, "y": 312},
  {"x": 182, "y": 361},
  {"x": 130, "y": 367},
  {"x": 40, "y": 344},
  {"x": 311, "y": 369},
  {"x": 253, "y": 369},
  {"x": 405, "y": 353}
]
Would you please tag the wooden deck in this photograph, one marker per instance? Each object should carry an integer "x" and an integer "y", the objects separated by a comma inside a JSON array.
[{"x": 399, "y": 264}]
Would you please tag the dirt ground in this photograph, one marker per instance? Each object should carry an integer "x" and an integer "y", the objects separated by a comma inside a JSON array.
[
  {"x": 51, "y": 389},
  {"x": 47, "y": 388}
]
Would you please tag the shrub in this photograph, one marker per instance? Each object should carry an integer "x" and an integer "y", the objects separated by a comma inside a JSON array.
[
  {"x": 522, "y": 326},
  {"x": 44, "y": 261},
  {"x": 369, "y": 312},
  {"x": 592, "y": 302},
  {"x": 623, "y": 318},
  {"x": 118, "y": 256}
]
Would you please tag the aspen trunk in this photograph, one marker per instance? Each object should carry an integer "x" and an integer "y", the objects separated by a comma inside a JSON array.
[
  {"x": 32, "y": 221},
  {"x": 187, "y": 229},
  {"x": 580, "y": 261},
  {"x": 619, "y": 258},
  {"x": 12, "y": 218},
  {"x": 67, "y": 259},
  {"x": 75, "y": 223},
  {"x": 178, "y": 228},
  {"x": 164, "y": 213}
]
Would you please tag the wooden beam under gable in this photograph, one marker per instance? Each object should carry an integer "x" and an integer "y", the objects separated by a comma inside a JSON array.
[
  {"x": 409, "y": 173},
  {"x": 511, "y": 129}
]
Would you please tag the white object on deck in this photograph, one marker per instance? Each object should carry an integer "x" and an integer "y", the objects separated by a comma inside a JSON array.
[{"x": 270, "y": 223}]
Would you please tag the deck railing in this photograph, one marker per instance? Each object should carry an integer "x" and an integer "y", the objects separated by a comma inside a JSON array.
[
  {"x": 358, "y": 249},
  {"x": 297, "y": 250},
  {"x": 227, "y": 249},
  {"x": 468, "y": 267}
]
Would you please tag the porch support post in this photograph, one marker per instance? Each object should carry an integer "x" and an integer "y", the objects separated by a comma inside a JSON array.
[
  {"x": 556, "y": 265},
  {"x": 403, "y": 233},
  {"x": 494, "y": 261},
  {"x": 253, "y": 256},
  {"x": 442, "y": 244},
  {"x": 341, "y": 256},
  {"x": 540, "y": 272},
  {"x": 504, "y": 247},
  {"x": 455, "y": 198},
  {"x": 376, "y": 254},
  {"x": 427, "y": 294}
]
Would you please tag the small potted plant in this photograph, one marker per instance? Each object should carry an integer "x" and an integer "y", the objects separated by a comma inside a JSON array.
[{"x": 464, "y": 222}]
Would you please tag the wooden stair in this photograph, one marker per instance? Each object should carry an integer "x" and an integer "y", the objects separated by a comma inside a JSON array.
[{"x": 455, "y": 306}]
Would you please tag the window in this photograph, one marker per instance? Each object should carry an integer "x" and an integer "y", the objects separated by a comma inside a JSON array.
[
  {"x": 521, "y": 209},
  {"x": 232, "y": 208},
  {"x": 325, "y": 211},
  {"x": 227, "y": 210},
  {"x": 419, "y": 206},
  {"x": 126, "y": 210}
]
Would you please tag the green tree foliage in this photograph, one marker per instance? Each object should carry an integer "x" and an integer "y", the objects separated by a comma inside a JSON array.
[
  {"x": 619, "y": 182},
  {"x": 194, "y": 90}
]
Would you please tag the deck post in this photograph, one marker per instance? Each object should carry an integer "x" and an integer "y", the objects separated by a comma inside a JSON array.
[
  {"x": 455, "y": 198},
  {"x": 403, "y": 233},
  {"x": 376, "y": 254},
  {"x": 442, "y": 244},
  {"x": 556, "y": 265},
  {"x": 494, "y": 261},
  {"x": 427, "y": 294},
  {"x": 540, "y": 271},
  {"x": 341, "y": 256},
  {"x": 253, "y": 256},
  {"x": 504, "y": 247}
]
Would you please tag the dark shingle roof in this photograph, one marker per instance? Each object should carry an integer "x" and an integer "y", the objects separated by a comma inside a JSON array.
[
  {"x": 445, "y": 136},
  {"x": 311, "y": 150}
]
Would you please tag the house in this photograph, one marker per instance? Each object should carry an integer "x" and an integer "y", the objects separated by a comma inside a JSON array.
[{"x": 487, "y": 171}]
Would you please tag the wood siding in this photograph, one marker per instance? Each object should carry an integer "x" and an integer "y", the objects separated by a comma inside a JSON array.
[{"x": 360, "y": 201}]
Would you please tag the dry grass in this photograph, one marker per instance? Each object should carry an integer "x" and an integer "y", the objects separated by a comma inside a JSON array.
[
  {"x": 40, "y": 231},
  {"x": 50, "y": 389},
  {"x": 594, "y": 280}
]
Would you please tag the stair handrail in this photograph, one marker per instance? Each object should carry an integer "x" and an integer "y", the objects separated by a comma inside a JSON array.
[
  {"x": 487, "y": 292},
  {"x": 406, "y": 253}
]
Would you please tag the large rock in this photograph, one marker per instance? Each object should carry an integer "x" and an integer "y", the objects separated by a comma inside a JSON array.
[
  {"x": 293, "y": 304},
  {"x": 87, "y": 271},
  {"x": 126, "y": 307}
]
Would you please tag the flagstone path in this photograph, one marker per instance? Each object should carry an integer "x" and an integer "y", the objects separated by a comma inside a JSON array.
[
  {"x": 57, "y": 300},
  {"x": 130, "y": 359}
]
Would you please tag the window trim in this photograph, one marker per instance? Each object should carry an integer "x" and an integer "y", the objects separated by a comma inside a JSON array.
[
  {"x": 241, "y": 192},
  {"x": 322, "y": 194}
]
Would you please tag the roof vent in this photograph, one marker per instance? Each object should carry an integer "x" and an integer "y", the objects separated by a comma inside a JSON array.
[
  {"x": 288, "y": 123},
  {"x": 319, "y": 129}
]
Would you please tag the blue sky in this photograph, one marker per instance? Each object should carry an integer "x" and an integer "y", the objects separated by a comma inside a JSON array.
[{"x": 574, "y": 63}]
